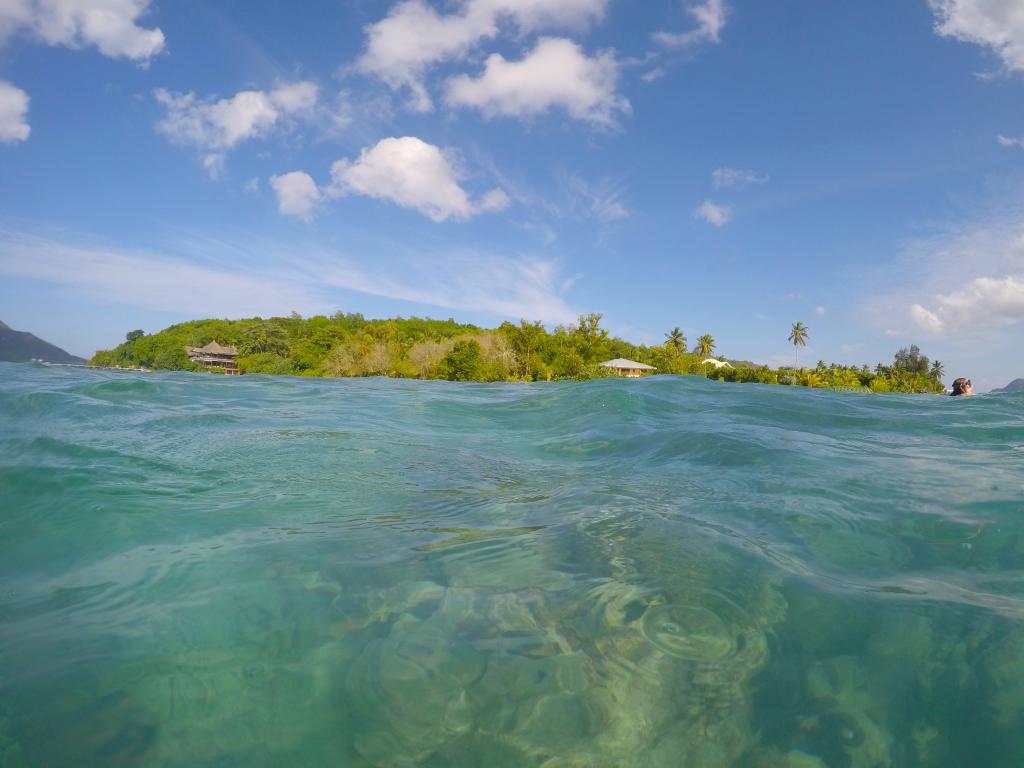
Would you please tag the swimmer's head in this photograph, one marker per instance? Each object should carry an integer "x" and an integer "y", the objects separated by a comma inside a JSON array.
[{"x": 962, "y": 387}]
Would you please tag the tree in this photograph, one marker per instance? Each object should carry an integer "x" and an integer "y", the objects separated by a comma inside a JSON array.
[
  {"x": 705, "y": 345},
  {"x": 675, "y": 341},
  {"x": 133, "y": 335},
  {"x": 938, "y": 371},
  {"x": 798, "y": 335},
  {"x": 464, "y": 362}
]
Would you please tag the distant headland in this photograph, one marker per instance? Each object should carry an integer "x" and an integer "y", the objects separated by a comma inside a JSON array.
[
  {"x": 347, "y": 344},
  {"x": 24, "y": 347}
]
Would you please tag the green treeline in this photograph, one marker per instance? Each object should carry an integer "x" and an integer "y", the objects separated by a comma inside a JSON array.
[{"x": 350, "y": 345}]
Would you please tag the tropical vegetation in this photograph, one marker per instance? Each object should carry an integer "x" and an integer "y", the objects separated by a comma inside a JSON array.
[{"x": 347, "y": 344}]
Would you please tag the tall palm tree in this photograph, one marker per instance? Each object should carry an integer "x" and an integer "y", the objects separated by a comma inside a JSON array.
[
  {"x": 705, "y": 346},
  {"x": 938, "y": 371},
  {"x": 676, "y": 341},
  {"x": 798, "y": 335}
]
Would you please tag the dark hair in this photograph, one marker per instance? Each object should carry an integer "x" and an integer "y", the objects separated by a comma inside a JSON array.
[{"x": 959, "y": 385}]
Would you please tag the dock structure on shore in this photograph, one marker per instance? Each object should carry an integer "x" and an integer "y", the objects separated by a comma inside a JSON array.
[
  {"x": 215, "y": 357},
  {"x": 631, "y": 369}
]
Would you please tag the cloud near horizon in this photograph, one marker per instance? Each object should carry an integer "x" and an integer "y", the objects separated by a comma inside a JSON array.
[
  {"x": 984, "y": 302},
  {"x": 486, "y": 283}
]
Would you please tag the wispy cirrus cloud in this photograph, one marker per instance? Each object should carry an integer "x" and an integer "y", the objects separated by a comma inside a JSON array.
[
  {"x": 714, "y": 214},
  {"x": 709, "y": 18},
  {"x": 1011, "y": 141},
  {"x": 216, "y": 285},
  {"x": 736, "y": 178}
]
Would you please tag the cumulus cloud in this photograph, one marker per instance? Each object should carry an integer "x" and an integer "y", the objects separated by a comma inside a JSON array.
[
  {"x": 1011, "y": 141},
  {"x": 996, "y": 24},
  {"x": 709, "y": 20},
  {"x": 736, "y": 178},
  {"x": 109, "y": 25},
  {"x": 14, "y": 125},
  {"x": 984, "y": 302},
  {"x": 413, "y": 174},
  {"x": 714, "y": 214},
  {"x": 297, "y": 194},
  {"x": 218, "y": 125},
  {"x": 556, "y": 74},
  {"x": 414, "y": 37}
]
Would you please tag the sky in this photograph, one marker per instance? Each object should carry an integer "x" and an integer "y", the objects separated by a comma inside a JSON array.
[{"x": 727, "y": 166}]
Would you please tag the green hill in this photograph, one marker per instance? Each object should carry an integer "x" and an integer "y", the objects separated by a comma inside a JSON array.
[
  {"x": 22, "y": 347},
  {"x": 1017, "y": 385}
]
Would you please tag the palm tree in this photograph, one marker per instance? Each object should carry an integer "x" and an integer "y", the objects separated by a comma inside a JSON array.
[
  {"x": 798, "y": 335},
  {"x": 676, "y": 341},
  {"x": 938, "y": 371},
  {"x": 705, "y": 346}
]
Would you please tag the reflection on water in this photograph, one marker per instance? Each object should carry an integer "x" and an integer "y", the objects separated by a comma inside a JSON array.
[{"x": 665, "y": 572}]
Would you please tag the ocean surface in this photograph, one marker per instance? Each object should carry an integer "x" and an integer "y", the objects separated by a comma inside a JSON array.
[{"x": 201, "y": 570}]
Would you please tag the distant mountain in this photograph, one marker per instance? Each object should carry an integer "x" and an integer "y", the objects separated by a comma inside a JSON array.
[
  {"x": 22, "y": 346},
  {"x": 1017, "y": 385}
]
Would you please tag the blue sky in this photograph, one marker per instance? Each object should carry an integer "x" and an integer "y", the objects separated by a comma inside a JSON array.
[{"x": 730, "y": 166}]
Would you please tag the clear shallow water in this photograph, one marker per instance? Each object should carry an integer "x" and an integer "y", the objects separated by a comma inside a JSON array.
[{"x": 214, "y": 571}]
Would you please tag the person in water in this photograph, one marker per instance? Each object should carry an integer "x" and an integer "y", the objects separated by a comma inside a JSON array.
[{"x": 962, "y": 387}]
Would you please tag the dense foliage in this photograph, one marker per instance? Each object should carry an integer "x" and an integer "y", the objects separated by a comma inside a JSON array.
[{"x": 351, "y": 345}]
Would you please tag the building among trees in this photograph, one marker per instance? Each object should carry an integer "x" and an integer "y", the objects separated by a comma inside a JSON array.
[
  {"x": 213, "y": 355},
  {"x": 629, "y": 368}
]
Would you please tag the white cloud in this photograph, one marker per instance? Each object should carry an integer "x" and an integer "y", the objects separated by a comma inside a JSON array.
[
  {"x": 924, "y": 319},
  {"x": 709, "y": 20},
  {"x": 218, "y": 125},
  {"x": 984, "y": 302},
  {"x": 712, "y": 213},
  {"x": 997, "y": 24},
  {"x": 556, "y": 74},
  {"x": 14, "y": 125},
  {"x": 481, "y": 282},
  {"x": 153, "y": 281},
  {"x": 297, "y": 194},
  {"x": 601, "y": 200},
  {"x": 735, "y": 178},
  {"x": 494, "y": 200},
  {"x": 1011, "y": 141},
  {"x": 820, "y": 311},
  {"x": 413, "y": 174},
  {"x": 413, "y": 36},
  {"x": 109, "y": 25},
  {"x": 477, "y": 282}
]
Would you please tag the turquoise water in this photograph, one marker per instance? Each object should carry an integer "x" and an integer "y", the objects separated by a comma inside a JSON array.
[{"x": 217, "y": 571}]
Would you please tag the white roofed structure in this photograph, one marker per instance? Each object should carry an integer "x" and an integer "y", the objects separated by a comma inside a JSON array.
[{"x": 628, "y": 368}]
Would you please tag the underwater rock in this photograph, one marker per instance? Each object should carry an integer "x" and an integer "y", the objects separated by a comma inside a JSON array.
[{"x": 847, "y": 725}]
